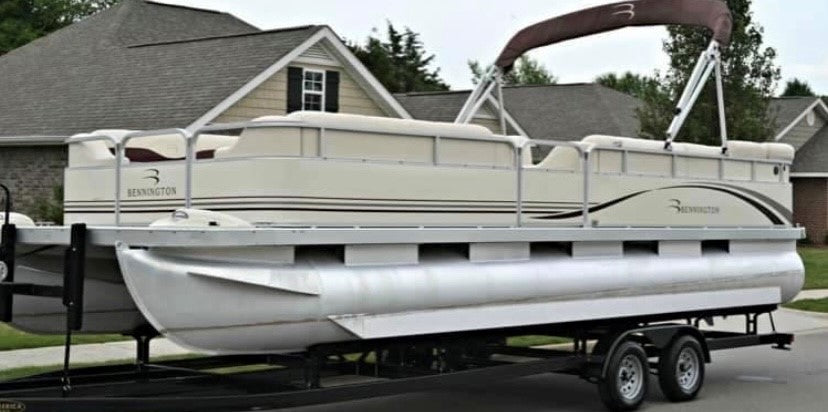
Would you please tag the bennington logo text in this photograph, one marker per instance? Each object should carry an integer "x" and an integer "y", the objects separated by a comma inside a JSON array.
[
  {"x": 152, "y": 176},
  {"x": 11, "y": 406},
  {"x": 677, "y": 207}
]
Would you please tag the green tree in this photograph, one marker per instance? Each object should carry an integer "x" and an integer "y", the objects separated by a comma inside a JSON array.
[
  {"x": 798, "y": 88},
  {"x": 750, "y": 78},
  {"x": 22, "y": 21},
  {"x": 527, "y": 72},
  {"x": 400, "y": 62},
  {"x": 635, "y": 85}
]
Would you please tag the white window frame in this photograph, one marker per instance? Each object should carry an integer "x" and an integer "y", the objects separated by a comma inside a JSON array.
[{"x": 320, "y": 93}]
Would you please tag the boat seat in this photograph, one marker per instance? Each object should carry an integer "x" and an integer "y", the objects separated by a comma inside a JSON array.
[
  {"x": 143, "y": 149},
  {"x": 348, "y": 136},
  {"x": 691, "y": 162}
]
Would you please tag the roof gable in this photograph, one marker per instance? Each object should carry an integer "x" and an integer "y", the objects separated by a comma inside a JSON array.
[
  {"x": 789, "y": 111},
  {"x": 813, "y": 156}
]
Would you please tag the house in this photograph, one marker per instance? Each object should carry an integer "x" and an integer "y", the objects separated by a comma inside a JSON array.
[
  {"x": 555, "y": 112},
  {"x": 803, "y": 123},
  {"x": 147, "y": 65}
]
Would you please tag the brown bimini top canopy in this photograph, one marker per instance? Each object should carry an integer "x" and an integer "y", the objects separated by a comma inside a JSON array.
[{"x": 712, "y": 14}]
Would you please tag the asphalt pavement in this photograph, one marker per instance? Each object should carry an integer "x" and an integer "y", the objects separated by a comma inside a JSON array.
[{"x": 757, "y": 379}]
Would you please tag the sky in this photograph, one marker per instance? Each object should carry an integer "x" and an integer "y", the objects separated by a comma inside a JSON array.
[{"x": 457, "y": 31}]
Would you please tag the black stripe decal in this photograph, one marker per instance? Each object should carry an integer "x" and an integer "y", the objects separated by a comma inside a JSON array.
[
  {"x": 760, "y": 207},
  {"x": 300, "y": 209}
]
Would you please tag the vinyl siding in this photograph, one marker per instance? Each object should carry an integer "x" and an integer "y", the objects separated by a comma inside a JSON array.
[
  {"x": 270, "y": 98},
  {"x": 802, "y": 132}
]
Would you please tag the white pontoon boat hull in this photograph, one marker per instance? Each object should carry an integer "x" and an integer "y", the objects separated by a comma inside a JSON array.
[
  {"x": 108, "y": 307},
  {"x": 227, "y": 306}
]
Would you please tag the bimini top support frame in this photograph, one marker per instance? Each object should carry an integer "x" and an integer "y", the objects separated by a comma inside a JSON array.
[
  {"x": 713, "y": 14},
  {"x": 709, "y": 62}
]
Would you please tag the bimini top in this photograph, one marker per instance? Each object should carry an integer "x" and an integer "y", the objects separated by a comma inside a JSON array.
[{"x": 713, "y": 14}]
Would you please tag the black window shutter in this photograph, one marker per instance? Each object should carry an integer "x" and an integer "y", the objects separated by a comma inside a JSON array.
[
  {"x": 294, "y": 89},
  {"x": 332, "y": 91}
]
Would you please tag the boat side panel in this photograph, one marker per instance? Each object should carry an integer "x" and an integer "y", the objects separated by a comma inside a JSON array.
[{"x": 310, "y": 191}]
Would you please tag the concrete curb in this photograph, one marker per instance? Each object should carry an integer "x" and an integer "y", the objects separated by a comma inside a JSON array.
[
  {"x": 812, "y": 294},
  {"x": 89, "y": 353}
]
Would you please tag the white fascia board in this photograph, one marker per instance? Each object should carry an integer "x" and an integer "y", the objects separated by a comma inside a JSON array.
[
  {"x": 363, "y": 76},
  {"x": 818, "y": 103},
  {"x": 229, "y": 101},
  {"x": 335, "y": 45}
]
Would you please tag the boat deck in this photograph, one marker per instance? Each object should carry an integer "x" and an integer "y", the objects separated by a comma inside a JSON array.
[{"x": 226, "y": 237}]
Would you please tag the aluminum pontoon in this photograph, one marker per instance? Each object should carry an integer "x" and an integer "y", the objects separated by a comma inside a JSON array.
[{"x": 283, "y": 233}]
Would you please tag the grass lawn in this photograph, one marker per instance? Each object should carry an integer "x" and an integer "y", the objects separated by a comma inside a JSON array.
[
  {"x": 11, "y": 338},
  {"x": 811, "y": 305},
  {"x": 816, "y": 267},
  {"x": 528, "y": 341},
  {"x": 16, "y": 373}
]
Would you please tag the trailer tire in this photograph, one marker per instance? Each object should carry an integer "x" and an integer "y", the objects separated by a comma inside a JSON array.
[
  {"x": 681, "y": 369},
  {"x": 625, "y": 385}
]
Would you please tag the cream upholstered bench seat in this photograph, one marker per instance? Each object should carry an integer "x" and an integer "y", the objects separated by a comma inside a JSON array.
[
  {"x": 651, "y": 158},
  {"x": 141, "y": 149},
  {"x": 348, "y": 136}
]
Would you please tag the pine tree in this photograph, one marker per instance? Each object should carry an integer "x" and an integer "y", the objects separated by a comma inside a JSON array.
[
  {"x": 750, "y": 78},
  {"x": 400, "y": 62},
  {"x": 22, "y": 21},
  {"x": 527, "y": 72},
  {"x": 798, "y": 88}
]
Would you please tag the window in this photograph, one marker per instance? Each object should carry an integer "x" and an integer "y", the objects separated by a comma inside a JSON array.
[
  {"x": 313, "y": 90},
  {"x": 811, "y": 118}
]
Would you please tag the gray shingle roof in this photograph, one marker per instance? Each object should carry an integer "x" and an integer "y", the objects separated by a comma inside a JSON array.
[
  {"x": 813, "y": 156},
  {"x": 562, "y": 112},
  {"x": 787, "y": 109},
  {"x": 136, "y": 65}
]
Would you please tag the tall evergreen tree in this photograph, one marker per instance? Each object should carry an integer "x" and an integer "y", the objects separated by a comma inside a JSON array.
[
  {"x": 750, "y": 78},
  {"x": 527, "y": 72},
  {"x": 635, "y": 85},
  {"x": 22, "y": 21},
  {"x": 798, "y": 88},
  {"x": 400, "y": 62}
]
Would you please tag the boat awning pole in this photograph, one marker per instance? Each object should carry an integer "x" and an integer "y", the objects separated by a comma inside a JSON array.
[
  {"x": 721, "y": 103},
  {"x": 709, "y": 62},
  {"x": 478, "y": 96}
]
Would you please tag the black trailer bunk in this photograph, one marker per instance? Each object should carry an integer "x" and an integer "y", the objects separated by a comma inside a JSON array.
[{"x": 618, "y": 355}]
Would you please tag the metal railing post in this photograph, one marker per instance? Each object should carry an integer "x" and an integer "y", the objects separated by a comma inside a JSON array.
[
  {"x": 585, "y": 167},
  {"x": 188, "y": 173},
  {"x": 519, "y": 184},
  {"x": 120, "y": 151}
]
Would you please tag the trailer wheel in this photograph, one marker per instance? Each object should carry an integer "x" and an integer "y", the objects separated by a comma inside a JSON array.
[
  {"x": 625, "y": 385},
  {"x": 681, "y": 369}
]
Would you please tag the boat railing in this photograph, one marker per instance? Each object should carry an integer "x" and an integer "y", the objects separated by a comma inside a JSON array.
[{"x": 520, "y": 145}]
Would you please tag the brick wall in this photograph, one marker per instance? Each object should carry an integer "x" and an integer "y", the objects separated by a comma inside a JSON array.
[
  {"x": 811, "y": 207},
  {"x": 31, "y": 173}
]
